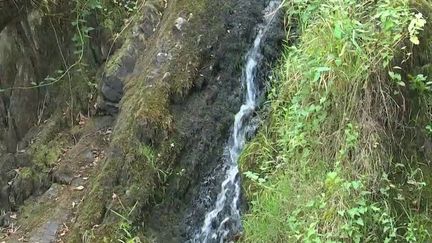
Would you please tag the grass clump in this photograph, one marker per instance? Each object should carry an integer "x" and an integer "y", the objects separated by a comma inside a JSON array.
[{"x": 323, "y": 168}]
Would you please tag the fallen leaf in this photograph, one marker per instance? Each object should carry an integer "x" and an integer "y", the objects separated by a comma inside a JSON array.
[{"x": 79, "y": 188}]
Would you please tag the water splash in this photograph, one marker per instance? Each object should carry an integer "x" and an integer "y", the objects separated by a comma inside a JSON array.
[{"x": 224, "y": 219}]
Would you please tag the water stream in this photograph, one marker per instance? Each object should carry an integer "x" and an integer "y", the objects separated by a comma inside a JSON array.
[{"x": 224, "y": 218}]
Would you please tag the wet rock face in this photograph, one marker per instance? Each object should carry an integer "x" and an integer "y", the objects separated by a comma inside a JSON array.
[
  {"x": 25, "y": 45},
  {"x": 7, "y": 163},
  {"x": 19, "y": 107},
  {"x": 204, "y": 194},
  {"x": 122, "y": 64},
  {"x": 203, "y": 118},
  {"x": 174, "y": 86},
  {"x": 11, "y": 9}
]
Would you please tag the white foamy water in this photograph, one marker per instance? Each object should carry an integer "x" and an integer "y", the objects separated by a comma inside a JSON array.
[{"x": 227, "y": 209}]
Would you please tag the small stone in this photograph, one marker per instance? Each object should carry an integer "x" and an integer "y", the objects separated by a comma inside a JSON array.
[
  {"x": 162, "y": 57},
  {"x": 179, "y": 23}
]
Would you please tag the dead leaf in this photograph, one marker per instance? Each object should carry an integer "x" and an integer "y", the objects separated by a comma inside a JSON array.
[{"x": 79, "y": 188}]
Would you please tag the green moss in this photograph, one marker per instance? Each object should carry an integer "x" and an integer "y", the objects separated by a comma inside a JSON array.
[
  {"x": 115, "y": 60},
  {"x": 26, "y": 173},
  {"x": 32, "y": 214},
  {"x": 46, "y": 155}
]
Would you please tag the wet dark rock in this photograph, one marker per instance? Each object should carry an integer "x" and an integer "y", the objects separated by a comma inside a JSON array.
[
  {"x": 113, "y": 79},
  {"x": 107, "y": 107},
  {"x": 4, "y": 196},
  {"x": 63, "y": 176},
  {"x": 7, "y": 173},
  {"x": 22, "y": 160},
  {"x": 112, "y": 89},
  {"x": 203, "y": 119},
  {"x": 5, "y": 220},
  {"x": 123, "y": 62},
  {"x": 27, "y": 183},
  {"x": 10, "y": 10},
  {"x": 7, "y": 162}
]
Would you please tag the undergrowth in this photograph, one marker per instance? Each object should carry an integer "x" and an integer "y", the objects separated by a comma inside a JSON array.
[{"x": 333, "y": 163}]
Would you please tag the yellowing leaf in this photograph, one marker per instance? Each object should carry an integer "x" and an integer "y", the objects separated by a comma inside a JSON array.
[{"x": 415, "y": 40}]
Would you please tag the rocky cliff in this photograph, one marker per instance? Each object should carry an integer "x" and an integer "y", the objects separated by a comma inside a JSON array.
[{"x": 131, "y": 157}]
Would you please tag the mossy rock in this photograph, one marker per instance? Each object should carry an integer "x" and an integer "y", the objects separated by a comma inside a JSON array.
[
  {"x": 28, "y": 182},
  {"x": 45, "y": 156}
]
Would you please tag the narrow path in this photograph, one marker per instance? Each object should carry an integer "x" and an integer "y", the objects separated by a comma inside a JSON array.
[{"x": 47, "y": 218}]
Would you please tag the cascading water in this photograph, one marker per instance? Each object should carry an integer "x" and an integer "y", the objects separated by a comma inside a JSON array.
[{"x": 224, "y": 218}]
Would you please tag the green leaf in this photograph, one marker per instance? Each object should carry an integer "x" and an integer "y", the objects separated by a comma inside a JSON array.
[
  {"x": 359, "y": 221},
  {"x": 337, "y": 30},
  {"x": 395, "y": 76},
  {"x": 414, "y": 39}
]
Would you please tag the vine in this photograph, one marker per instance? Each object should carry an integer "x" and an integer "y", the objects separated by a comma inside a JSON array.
[{"x": 83, "y": 9}]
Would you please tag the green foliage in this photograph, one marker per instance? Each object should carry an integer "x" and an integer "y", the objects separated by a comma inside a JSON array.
[
  {"x": 126, "y": 232},
  {"x": 128, "y": 5},
  {"x": 322, "y": 169},
  {"x": 415, "y": 27},
  {"x": 420, "y": 83}
]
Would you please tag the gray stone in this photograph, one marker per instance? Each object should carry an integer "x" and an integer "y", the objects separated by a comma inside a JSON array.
[
  {"x": 179, "y": 23},
  {"x": 112, "y": 88}
]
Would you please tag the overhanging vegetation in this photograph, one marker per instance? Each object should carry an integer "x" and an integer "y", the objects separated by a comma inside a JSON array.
[{"x": 344, "y": 154}]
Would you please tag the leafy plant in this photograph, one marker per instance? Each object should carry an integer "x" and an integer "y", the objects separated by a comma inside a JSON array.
[
  {"x": 415, "y": 27},
  {"x": 420, "y": 83},
  {"x": 125, "y": 229},
  {"x": 330, "y": 169}
]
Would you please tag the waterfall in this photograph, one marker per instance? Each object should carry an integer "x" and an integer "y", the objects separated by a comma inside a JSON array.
[{"x": 224, "y": 218}]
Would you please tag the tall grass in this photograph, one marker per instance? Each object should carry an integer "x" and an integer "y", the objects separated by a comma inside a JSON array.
[{"x": 318, "y": 171}]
